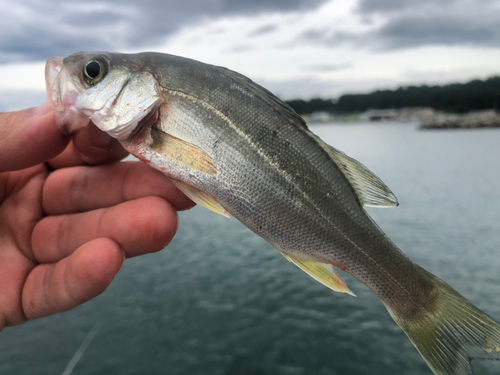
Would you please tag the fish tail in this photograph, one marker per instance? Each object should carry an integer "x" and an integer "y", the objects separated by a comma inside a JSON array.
[{"x": 448, "y": 331}]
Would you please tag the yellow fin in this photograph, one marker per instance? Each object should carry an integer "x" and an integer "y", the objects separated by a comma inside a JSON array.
[
  {"x": 201, "y": 198},
  {"x": 326, "y": 274},
  {"x": 182, "y": 152}
]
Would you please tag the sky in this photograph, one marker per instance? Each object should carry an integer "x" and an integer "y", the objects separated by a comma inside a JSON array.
[{"x": 294, "y": 48}]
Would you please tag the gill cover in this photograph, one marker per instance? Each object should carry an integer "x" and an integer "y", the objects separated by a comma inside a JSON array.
[{"x": 88, "y": 85}]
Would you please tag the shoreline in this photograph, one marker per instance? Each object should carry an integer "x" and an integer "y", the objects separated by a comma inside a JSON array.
[
  {"x": 428, "y": 118},
  {"x": 473, "y": 120}
]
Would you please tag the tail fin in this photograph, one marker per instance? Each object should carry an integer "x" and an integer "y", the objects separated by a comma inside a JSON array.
[{"x": 452, "y": 333}]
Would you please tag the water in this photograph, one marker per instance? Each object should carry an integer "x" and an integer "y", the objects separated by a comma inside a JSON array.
[{"x": 220, "y": 300}]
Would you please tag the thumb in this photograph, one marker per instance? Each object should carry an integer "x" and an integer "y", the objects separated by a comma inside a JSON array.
[{"x": 29, "y": 137}]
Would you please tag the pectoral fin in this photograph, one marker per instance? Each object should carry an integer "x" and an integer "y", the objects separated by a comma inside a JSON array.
[
  {"x": 326, "y": 274},
  {"x": 201, "y": 198},
  {"x": 182, "y": 152},
  {"x": 370, "y": 189}
]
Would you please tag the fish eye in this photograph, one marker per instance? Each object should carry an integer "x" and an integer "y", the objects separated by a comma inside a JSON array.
[{"x": 94, "y": 71}]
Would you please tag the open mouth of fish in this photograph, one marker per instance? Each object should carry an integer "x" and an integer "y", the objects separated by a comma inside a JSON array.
[{"x": 62, "y": 96}]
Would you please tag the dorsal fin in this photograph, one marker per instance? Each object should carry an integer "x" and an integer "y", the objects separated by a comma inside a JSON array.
[
  {"x": 370, "y": 189},
  {"x": 277, "y": 104}
]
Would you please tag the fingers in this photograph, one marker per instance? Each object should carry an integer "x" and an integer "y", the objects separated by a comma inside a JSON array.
[
  {"x": 81, "y": 189},
  {"x": 35, "y": 132},
  {"x": 53, "y": 288},
  {"x": 141, "y": 226},
  {"x": 90, "y": 146},
  {"x": 29, "y": 137}
]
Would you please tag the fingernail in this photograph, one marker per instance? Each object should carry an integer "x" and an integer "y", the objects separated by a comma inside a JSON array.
[
  {"x": 99, "y": 138},
  {"x": 43, "y": 109}
]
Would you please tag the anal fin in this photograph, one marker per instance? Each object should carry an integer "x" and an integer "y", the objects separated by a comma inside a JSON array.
[
  {"x": 326, "y": 274},
  {"x": 201, "y": 198}
]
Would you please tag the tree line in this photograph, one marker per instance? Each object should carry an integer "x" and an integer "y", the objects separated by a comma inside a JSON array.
[{"x": 454, "y": 98}]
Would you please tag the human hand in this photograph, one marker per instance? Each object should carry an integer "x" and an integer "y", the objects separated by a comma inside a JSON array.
[{"x": 70, "y": 215}]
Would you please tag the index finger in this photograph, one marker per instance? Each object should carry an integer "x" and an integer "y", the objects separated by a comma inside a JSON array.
[
  {"x": 29, "y": 137},
  {"x": 90, "y": 146},
  {"x": 81, "y": 189}
]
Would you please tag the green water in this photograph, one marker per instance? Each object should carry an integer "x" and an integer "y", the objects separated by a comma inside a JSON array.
[{"x": 220, "y": 300}]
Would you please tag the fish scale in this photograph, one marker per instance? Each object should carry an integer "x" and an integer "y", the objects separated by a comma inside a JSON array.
[{"x": 232, "y": 146}]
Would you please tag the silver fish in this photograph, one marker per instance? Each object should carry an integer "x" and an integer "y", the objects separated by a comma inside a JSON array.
[{"x": 235, "y": 148}]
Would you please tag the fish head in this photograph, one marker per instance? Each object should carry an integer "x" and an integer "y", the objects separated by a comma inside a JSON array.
[{"x": 112, "y": 90}]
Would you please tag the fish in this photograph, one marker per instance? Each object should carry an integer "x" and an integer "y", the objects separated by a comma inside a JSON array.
[{"x": 235, "y": 148}]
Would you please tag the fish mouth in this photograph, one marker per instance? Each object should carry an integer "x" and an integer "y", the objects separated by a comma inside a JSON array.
[
  {"x": 52, "y": 70},
  {"x": 62, "y": 95}
]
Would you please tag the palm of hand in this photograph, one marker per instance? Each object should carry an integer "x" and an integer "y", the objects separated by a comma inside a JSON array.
[{"x": 20, "y": 210}]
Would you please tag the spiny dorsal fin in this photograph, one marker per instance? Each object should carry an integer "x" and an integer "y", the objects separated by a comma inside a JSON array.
[
  {"x": 370, "y": 189},
  {"x": 326, "y": 274},
  {"x": 201, "y": 198}
]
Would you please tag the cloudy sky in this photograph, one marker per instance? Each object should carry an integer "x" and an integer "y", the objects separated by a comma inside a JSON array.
[{"x": 295, "y": 48}]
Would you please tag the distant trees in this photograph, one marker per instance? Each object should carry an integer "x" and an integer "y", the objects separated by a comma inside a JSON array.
[
  {"x": 455, "y": 98},
  {"x": 313, "y": 105}
]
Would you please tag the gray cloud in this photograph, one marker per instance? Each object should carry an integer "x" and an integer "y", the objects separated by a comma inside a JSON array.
[
  {"x": 95, "y": 18},
  {"x": 310, "y": 87},
  {"x": 313, "y": 35},
  {"x": 326, "y": 37},
  {"x": 255, "y": 6},
  {"x": 327, "y": 67},
  {"x": 412, "y": 24},
  {"x": 34, "y": 30},
  {"x": 240, "y": 48},
  {"x": 299, "y": 88},
  {"x": 419, "y": 30},
  {"x": 263, "y": 30},
  {"x": 385, "y": 6}
]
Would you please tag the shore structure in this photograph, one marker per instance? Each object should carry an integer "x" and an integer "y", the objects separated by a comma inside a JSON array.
[
  {"x": 426, "y": 116},
  {"x": 472, "y": 120},
  {"x": 399, "y": 114}
]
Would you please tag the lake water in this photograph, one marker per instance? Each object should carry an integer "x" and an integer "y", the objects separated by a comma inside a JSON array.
[{"x": 220, "y": 300}]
